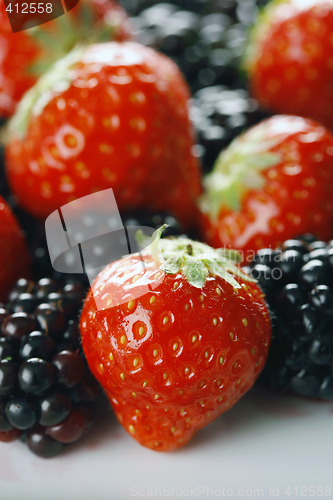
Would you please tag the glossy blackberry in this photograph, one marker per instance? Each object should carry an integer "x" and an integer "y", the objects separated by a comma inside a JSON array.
[
  {"x": 205, "y": 38},
  {"x": 46, "y": 389},
  {"x": 298, "y": 284},
  {"x": 205, "y": 47},
  {"x": 219, "y": 115}
]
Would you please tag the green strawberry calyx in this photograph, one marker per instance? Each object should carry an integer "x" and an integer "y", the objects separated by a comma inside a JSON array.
[
  {"x": 53, "y": 82},
  {"x": 239, "y": 169},
  {"x": 194, "y": 259}
]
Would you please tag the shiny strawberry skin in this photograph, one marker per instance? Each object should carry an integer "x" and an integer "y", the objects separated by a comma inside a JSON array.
[
  {"x": 175, "y": 358},
  {"x": 290, "y": 61},
  {"x": 25, "y": 55},
  {"x": 296, "y": 196},
  {"x": 122, "y": 123},
  {"x": 14, "y": 254}
]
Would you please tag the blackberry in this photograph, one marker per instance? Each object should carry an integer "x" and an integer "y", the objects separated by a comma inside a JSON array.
[
  {"x": 298, "y": 282},
  {"x": 205, "y": 47},
  {"x": 205, "y": 38},
  {"x": 47, "y": 393},
  {"x": 219, "y": 115}
]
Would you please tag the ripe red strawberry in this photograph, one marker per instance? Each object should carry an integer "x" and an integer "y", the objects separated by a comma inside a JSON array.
[
  {"x": 290, "y": 59},
  {"x": 274, "y": 182},
  {"x": 26, "y": 54},
  {"x": 112, "y": 115},
  {"x": 13, "y": 250},
  {"x": 174, "y": 342}
]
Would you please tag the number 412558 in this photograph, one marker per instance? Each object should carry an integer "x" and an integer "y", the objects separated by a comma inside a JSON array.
[{"x": 29, "y": 8}]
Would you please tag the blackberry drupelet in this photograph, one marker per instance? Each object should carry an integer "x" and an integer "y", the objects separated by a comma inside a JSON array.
[
  {"x": 298, "y": 282},
  {"x": 47, "y": 393}
]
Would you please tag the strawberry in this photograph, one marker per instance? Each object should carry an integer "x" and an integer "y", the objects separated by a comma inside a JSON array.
[
  {"x": 112, "y": 115},
  {"x": 179, "y": 335},
  {"x": 26, "y": 54},
  {"x": 290, "y": 59},
  {"x": 272, "y": 183},
  {"x": 13, "y": 250}
]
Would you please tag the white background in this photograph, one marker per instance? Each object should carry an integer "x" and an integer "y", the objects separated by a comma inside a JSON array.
[{"x": 259, "y": 448}]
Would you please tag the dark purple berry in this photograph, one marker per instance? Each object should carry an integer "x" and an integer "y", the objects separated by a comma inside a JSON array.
[
  {"x": 18, "y": 324},
  {"x": 45, "y": 286},
  {"x": 70, "y": 430},
  {"x": 36, "y": 376},
  {"x": 267, "y": 257},
  {"x": 41, "y": 444},
  {"x": 295, "y": 244},
  {"x": 22, "y": 286},
  {"x": 321, "y": 298},
  {"x": 51, "y": 320},
  {"x": 21, "y": 413},
  {"x": 66, "y": 304},
  {"x": 25, "y": 302},
  {"x": 54, "y": 408},
  {"x": 70, "y": 368},
  {"x": 290, "y": 298},
  {"x": 313, "y": 273},
  {"x": 291, "y": 262},
  {"x": 37, "y": 345}
]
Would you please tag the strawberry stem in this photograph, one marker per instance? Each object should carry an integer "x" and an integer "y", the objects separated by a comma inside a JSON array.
[{"x": 196, "y": 260}]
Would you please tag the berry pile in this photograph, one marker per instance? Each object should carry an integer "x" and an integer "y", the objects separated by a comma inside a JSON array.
[
  {"x": 206, "y": 40},
  {"x": 47, "y": 392},
  {"x": 119, "y": 115},
  {"x": 298, "y": 282}
]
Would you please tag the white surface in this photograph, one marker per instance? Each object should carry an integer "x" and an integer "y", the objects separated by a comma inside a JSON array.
[{"x": 258, "y": 449}]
